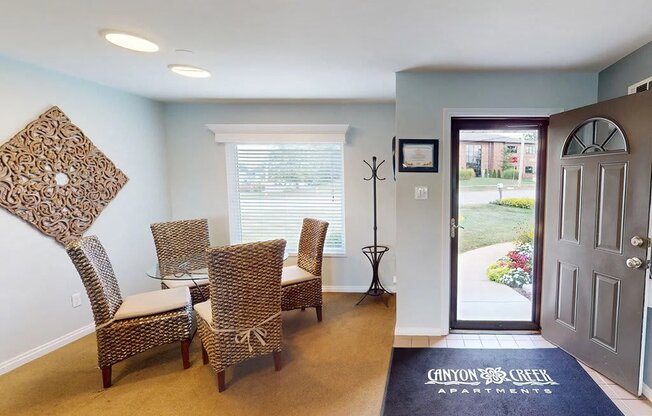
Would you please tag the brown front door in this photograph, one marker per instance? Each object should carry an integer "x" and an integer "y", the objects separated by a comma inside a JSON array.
[{"x": 598, "y": 201}]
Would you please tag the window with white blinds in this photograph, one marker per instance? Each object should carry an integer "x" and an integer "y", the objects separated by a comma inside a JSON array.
[{"x": 272, "y": 187}]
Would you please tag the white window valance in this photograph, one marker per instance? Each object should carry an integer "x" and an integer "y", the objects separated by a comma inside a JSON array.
[{"x": 279, "y": 133}]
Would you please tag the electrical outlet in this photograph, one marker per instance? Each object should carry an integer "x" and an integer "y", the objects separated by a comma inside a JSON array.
[
  {"x": 76, "y": 300},
  {"x": 394, "y": 280}
]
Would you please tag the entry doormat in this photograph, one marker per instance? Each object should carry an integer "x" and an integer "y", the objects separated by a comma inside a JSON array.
[{"x": 488, "y": 382}]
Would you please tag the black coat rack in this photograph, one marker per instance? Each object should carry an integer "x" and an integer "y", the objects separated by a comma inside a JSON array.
[{"x": 375, "y": 253}]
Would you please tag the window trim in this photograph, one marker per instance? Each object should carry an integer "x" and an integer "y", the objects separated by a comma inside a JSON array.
[
  {"x": 235, "y": 232},
  {"x": 279, "y": 133}
]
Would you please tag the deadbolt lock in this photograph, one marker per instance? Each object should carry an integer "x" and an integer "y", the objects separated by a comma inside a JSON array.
[{"x": 638, "y": 241}]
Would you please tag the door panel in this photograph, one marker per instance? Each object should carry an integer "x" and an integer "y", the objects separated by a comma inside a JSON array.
[
  {"x": 571, "y": 212},
  {"x": 612, "y": 185},
  {"x": 567, "y": 294},
  {"x": 592, "y": 303},
  {"x": 606, "y": 308}
]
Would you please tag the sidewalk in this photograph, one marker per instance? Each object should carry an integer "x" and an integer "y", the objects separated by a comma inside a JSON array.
[{"x": 480, "y": 299}]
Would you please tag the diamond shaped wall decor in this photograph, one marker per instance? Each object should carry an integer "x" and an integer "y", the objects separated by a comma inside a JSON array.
[{"x": 53, "y": 177}]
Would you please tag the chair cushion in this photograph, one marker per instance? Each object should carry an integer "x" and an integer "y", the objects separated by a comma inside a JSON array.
[
  {"x": 171, "y": 282},
  {"x": 295, "y": 274},
  {"x": 204, "y": 311},
  {"x": 150, "y": 303}
]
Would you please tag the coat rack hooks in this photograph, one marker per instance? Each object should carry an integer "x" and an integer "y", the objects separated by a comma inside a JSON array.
[
  {"x": 374, "y": 171},
  {"x": 375, "y": 252}
]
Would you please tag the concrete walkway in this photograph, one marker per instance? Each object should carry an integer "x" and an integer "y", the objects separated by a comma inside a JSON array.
[{"x": 480, "y": 299}]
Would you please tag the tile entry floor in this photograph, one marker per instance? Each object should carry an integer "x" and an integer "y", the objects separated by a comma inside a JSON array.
[{"x": 629, "y": 404}]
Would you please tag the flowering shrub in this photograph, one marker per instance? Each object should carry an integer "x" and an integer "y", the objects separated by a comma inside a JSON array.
[
  {"x": 526, "y": 203},
  {"x": 497, "y": 270},
  {"x": 516, "y": 278},
  {"x": 525, "y": 235},
  {"x": 515, "y": 268},
  {"x": 521, "y": 258}
]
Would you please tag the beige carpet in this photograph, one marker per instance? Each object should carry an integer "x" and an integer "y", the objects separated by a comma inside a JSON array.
[{"x": 338, "y": 367}]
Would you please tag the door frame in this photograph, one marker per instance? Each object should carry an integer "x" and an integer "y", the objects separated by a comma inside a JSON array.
[{"x": 540, "y": 124}]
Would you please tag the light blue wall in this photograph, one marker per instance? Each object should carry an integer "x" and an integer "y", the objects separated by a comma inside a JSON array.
[
  {"x": 422, "y": 224},
  {"x": 614, "y": 80},
  {"x": 37, "y": 277},
  {"x": 198, "y": 176}
]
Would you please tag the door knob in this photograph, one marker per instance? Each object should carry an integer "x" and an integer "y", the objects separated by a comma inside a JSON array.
[
  {"x": 634, "y": 262},
  {"x": 638, "y": 241}
]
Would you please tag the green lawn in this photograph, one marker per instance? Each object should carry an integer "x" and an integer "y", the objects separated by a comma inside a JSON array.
[
  {"x": 489, "y": 224},
  {"x": 480, "y": 182}
]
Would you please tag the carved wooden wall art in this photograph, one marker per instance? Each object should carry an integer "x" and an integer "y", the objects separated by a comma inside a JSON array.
[{"x": 53, "y": 176}]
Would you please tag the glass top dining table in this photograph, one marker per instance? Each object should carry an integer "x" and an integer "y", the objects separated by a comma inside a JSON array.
[{"x": 194, "y": 275}]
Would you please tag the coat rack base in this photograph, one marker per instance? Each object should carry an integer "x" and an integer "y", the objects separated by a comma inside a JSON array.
[{"x": 374, "y": 254}]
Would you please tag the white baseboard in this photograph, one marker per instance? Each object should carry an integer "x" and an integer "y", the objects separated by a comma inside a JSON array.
[
  {"x": 349, "y": 289},
  {"x": 647, "y": 391},
  {"x": 46, "y": 348},
  {"x": 419, "y": 331}
]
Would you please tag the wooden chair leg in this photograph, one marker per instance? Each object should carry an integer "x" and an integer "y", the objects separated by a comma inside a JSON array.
[
  {"x": 318, "y": 309},
  {"x": 106, "y": 376},
  {"x": 221, "y": 384},
  {"x": 185, "y": 353},
  {"x": 204, "y": 354},
  {"x": 278, "y": 362}
]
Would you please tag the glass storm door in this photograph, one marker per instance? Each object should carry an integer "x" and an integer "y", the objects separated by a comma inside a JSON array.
[{"x": 497, "y": 183}]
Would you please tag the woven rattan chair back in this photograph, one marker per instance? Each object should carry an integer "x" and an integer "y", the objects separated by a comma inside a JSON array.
[
  {"x": 96, "y": 272},
  {"x": 311, "y": 245},
  {"x": 245, "y": 285},
  {"x": 181, "y": 242}
]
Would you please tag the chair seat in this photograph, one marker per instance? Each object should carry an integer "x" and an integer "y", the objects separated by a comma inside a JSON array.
[
  {"x": 204, "y": 311},
  {"x": 171, "y": 282},
  {"x": 295, "y": 274},
  {"x": 150, "y": 303}
]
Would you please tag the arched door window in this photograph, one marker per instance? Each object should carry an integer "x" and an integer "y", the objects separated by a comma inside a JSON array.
[{"x": 595, "y": 135}]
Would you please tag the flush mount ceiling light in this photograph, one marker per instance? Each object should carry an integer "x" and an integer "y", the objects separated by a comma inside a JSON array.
[
  {"x": 189, "y": 71},
  {"x": 131, "y": 42}
]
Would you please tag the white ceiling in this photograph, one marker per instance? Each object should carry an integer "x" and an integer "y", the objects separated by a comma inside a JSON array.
[{"x": 316, "y": 49}]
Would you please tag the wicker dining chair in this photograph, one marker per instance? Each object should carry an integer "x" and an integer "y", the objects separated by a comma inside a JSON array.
[
  {"x": 181, "y": 247},
  {"x": 125, "y": 327},
  {"x": 301, "y": 284},
  {"x": 242, "y": 319}
]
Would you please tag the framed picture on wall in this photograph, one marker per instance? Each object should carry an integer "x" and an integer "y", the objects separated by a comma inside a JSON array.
[{"x": 418, "y": 155}]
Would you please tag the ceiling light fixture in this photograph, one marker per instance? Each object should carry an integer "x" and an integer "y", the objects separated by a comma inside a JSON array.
[
  {"x": 189, "y": 71},
  {"x": 131, "y": 42}
]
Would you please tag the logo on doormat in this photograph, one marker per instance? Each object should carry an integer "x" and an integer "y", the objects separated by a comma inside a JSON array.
[{"x": 535, "y": 377}]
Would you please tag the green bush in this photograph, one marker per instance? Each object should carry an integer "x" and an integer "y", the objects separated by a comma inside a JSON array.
[
  {"x": 497, "y": 270},
  {"x": 486, "y": 173},
  {"x": 526, "y": 203},
  {"x": 510, "y": 173},
  {"x": 466, "y": 174},
  {"x": 499, "y": 174}
]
